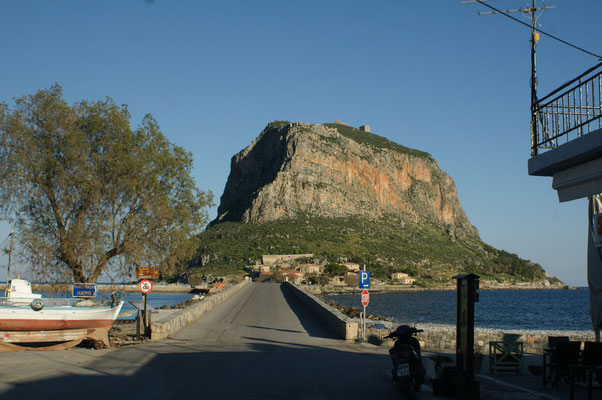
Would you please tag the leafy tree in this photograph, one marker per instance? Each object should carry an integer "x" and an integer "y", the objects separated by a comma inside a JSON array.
[
  {"x": 89, "y": 194},
  {"x": 318, "y": 280},
  {"x": 335, "y": 269},
  {"x": 352, "y": 280}
]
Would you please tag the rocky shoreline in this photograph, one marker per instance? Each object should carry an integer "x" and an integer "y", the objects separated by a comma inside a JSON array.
[
  {"x": 164, "y": 287},
  {"x": 333, "y": 291}
]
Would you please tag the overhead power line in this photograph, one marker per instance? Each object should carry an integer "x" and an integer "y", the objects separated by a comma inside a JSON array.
[{"x": 496, "y": 11}]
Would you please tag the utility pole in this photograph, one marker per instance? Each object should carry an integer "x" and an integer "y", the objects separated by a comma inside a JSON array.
[
  {"x": 534, "y": 39},
  {"x": 10, "y": 252}
]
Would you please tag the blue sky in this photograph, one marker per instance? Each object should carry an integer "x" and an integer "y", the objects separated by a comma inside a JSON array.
[{"x": 429, "y": 75}]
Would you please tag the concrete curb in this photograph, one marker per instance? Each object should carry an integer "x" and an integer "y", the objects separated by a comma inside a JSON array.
[
  {"x": 333, "y": 318},
  {"x": 182, "y": 318}
]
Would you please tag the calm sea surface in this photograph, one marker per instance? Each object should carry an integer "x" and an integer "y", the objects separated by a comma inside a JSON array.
[
  {"x": 503, "y": 309},
  {"x": 155, "y": 300}
]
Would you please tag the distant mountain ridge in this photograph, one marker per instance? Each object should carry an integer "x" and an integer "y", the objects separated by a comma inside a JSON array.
[{"x": 348, "y": 195}]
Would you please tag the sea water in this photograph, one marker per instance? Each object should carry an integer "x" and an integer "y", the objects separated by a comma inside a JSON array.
[
  {"x": 502, "y": 309},
  {"x": 154, "y": 300}
]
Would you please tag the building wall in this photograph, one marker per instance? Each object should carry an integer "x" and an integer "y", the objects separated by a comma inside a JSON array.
[
  {"x": 272, "y": 259},
  {"x": 352, "y": 267}
]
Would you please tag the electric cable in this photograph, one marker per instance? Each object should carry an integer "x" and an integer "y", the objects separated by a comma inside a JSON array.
[{"x": 540, "y": 31}]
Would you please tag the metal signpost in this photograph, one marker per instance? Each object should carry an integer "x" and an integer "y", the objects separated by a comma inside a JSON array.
[
  {"x": 365, "y": 301},
  {"x": 364, "y": 283},
  {"x": 146, "y": 286}
]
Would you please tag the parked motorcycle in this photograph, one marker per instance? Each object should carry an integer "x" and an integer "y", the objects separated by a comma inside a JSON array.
[{"x": 407, "y": 372}]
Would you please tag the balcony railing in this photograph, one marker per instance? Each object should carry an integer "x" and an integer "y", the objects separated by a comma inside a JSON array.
[{"x": 569, "y": 112}]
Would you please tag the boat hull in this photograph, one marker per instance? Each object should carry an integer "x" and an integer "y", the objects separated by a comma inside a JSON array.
[{"x": 22, "y": 324}]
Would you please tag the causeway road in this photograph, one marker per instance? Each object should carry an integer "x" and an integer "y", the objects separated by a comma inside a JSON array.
[{"x": 261, "y": 343}]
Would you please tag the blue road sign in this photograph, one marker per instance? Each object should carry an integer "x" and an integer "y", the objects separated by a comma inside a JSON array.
[
  {"x": 84, "y": 290},
  {"x": 364, "y": 279}
]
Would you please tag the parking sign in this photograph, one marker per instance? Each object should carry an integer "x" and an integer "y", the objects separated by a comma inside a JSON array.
[{"x": 364, "y": 279}]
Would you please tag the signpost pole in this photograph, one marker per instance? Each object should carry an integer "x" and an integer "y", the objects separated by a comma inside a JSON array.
[
  {"x": 364, "y": 283},
  {"x": 364, "y": 319},
  {"x": 145, "y": 287},
  {"x": 364, "y": 325},
  {"x": 145, "y": 315},
  {"x": 139, "y": 321}
]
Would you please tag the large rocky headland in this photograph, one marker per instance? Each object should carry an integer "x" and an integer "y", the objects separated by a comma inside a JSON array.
[{"x": 348, "y": 195}]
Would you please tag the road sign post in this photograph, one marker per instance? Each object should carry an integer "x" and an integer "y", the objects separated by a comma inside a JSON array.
[
  {"x": 364, "y": 278},
  {"x": 146, "y": 287},
  {"x": 365, "y": 301}
]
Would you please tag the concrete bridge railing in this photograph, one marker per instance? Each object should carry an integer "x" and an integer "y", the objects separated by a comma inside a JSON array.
[
  {"x": 178, "y": 320},
  {"x": 343, "y": 326}
]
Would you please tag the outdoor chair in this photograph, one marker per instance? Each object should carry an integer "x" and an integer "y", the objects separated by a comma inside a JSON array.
[
  {"x": 548, "y": 351},
  {"x": 506, "y": 356},
  {"x": 588, "y": 373},
  {"x": 563, "y": 356},
  {"x": 553, "y": 340}
]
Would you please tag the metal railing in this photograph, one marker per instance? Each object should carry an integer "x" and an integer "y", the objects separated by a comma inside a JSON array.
[{"x": 569, "y": 112}]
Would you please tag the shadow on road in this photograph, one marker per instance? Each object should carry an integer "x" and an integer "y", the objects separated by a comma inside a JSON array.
[
  {"x": 308, "y": 319},
  {"x": 270, "y": 370},
  {"x": 273, "y": 329}
]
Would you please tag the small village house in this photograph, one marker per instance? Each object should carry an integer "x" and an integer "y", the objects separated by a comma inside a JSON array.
[
  {"x": 310, "y": 269},
  {"x": 352, "y": 267},
  {"x": 403, "y": 278},
  {"x": 291, "y": 275},
  {"x": 273, "y": 259}
]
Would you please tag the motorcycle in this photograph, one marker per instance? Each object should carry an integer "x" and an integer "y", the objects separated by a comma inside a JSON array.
[{"x": 407, "y": 371}]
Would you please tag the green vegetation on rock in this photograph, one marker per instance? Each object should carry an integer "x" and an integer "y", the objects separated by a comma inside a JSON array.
[
  {"x": 386, "y": 245},
  {"x": 376, "y": 141}
]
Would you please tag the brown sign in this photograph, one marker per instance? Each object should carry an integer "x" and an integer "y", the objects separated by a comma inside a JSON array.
[{"x": 147, "y": 272}]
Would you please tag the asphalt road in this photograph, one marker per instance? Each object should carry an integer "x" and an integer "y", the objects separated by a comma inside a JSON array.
[{"x": 259, "y": 344}]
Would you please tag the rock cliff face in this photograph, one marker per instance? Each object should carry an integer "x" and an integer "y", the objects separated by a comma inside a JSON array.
[{"x": 296, "y": 169}]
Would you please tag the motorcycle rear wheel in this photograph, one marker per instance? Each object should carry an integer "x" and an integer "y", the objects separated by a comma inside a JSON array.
[{"x": 410, "y": 392}]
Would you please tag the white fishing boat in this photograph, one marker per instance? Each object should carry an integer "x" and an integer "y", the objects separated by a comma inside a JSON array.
[{"x": 29, "y": 321}]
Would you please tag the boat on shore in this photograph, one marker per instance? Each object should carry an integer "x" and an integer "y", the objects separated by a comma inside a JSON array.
[{"x": 28, "y": 321}]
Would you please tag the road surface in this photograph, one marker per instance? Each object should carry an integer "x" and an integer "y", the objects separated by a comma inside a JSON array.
[{"x": 259, "y": 344}]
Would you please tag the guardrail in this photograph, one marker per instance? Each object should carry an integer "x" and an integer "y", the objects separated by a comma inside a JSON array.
[{"x": 569, "y": 112}]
